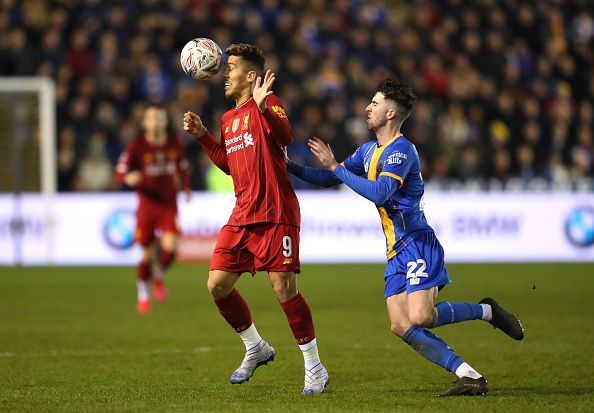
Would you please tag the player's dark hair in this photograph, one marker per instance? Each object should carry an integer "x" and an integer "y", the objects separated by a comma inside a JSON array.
[
  {"x": 401, "y": 93},
  {"x": 250, "y": 54}
]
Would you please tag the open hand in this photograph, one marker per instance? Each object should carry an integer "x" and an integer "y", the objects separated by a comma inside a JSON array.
[
  {"x": 323, "y": 152},
  {"x": 262, "y": 90}
]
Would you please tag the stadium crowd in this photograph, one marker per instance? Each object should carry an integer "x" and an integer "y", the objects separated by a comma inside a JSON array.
[{"x": 506, "y": 87}]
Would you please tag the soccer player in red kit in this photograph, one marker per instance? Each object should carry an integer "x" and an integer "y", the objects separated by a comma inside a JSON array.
[
  {"x": 155, "y": 165},
  {"x": 262, "y": 233}
]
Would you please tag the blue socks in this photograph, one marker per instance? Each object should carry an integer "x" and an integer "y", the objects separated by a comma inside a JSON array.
[
  {"x": 432, "y": 348},
  {"x": 449, "y": 313}
]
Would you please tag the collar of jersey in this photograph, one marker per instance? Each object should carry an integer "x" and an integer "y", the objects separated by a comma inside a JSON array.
[
  {"x": 390, "y": 141},
  {"x": 237, "y": 107}
]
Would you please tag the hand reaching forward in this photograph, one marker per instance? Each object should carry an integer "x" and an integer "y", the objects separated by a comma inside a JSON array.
[
  {"x": 323, "y": 152},
  {"x": 262, "y": 90},
  {"x": 133, "y": 178},
  {"x": 193, "y": 124}
]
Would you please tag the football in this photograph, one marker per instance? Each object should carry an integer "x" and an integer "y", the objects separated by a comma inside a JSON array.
[{"x": 201, "y": 58}]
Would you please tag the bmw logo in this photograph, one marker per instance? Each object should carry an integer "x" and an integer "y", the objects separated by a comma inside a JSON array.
[
  {"x": 579, "y": 227},
  {"x": 118, "y": 229}
]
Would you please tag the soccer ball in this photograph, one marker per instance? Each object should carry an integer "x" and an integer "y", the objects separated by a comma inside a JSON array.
[{"x": 201, "y": 58}]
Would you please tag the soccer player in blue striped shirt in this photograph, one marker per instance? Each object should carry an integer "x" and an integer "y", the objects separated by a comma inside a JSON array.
[{"x": 387, "y": 171}]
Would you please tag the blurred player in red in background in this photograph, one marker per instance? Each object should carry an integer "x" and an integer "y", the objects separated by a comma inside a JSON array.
[
  {"x": 262, "y": 233},
  {"x": 155, "y": 165}
]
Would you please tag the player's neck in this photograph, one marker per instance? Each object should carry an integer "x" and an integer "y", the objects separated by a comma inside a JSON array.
[
  {"x": 155, "y": 139},
  {"x": 385, "y": 133},
  {"x": 244, "y": 97}
]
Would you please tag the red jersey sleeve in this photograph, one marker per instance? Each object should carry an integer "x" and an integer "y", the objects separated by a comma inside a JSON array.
[
  {"x": 183, "y": 166},
  {"x": 215, "y": 152},
  {"x": 128, "y": 161},
  {"x": 277, "y": 121}
]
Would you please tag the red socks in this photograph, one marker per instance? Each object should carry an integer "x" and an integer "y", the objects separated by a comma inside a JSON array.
[
  {"x": 144, "y": 270},
  {"x": 166, "y": 259},
  {"x": 235, "y": 310},
  {"x": 300, "y": 320}
]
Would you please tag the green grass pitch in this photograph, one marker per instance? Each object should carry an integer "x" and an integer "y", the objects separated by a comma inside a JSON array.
[{"x": 71, "y": 341}]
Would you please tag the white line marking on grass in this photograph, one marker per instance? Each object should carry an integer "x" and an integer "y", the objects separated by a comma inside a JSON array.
[{"x": 7, "y": 354}]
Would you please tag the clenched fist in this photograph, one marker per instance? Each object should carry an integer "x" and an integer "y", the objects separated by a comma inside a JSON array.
[{"x": 193, "y": 124}]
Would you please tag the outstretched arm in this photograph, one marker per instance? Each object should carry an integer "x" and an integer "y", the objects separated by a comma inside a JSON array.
[
  {"x": 127, "y": 170},
  {"x": 377, "y": 192},
  {"x": 320, "y": 177}
]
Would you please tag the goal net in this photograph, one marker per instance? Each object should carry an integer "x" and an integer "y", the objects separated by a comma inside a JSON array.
[{"x": 27, "y": 163}]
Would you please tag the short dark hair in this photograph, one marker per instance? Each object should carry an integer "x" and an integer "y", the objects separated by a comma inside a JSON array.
[
  {"x": 251, "y": 54},
  {"x": 399, "y": 92}
]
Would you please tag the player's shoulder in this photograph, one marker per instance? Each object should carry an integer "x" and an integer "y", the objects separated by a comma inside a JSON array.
[
  {"x": 367, "y": 147},
  {"x": 229, "y": 113},
  {"x": 402, "y": 149},
  {"x": 402, "y": 144},
  {"x": 273, "y": 100},
  {"x": 137, "y": 142},
  {"x": 275, "y": 105}
]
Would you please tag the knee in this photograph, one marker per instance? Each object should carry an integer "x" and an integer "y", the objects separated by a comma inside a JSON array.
[
  {"x": 218, "y": 289},
  {"x": 169, "y": 243},
  {"x": 146, "y": 253},
  {"x": 421, "y": 318},
  {"x": 283, "y": 290},
  {"x": 399, "y": 328}
]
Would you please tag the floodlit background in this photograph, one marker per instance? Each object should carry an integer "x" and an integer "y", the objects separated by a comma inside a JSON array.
[
  {"x": 506, "y": 110},
  {"x": 504, "y": 127}
]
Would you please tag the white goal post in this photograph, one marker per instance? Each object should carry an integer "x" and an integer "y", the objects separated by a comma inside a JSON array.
[{"x": 16, "y": 92}]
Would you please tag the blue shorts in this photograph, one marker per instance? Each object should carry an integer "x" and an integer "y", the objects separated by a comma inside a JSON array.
[{"x": 418, "y": 266}]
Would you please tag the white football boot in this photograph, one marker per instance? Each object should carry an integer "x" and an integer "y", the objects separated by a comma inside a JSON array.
[
  {"x": 316, "y": 380},
  {"x": 259, "y": 355}
]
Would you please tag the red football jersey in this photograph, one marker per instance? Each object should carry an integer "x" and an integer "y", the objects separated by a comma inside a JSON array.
[
  {"x": 162, "y": 168},
  {"x": 252, "y": 151}
]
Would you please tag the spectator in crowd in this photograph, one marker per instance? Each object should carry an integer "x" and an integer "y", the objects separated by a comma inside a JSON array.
[
  {"x": 506, "y": 88},
  {"x": 95, "y": 172}
]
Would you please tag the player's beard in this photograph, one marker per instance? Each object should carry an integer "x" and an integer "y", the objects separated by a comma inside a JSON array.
[
  {"x": 375, "y": 125},
  {"x": 370, "y": 124}
]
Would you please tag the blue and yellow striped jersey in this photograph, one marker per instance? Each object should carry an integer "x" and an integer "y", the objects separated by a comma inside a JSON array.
[{"x": 396, "y": 167}]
